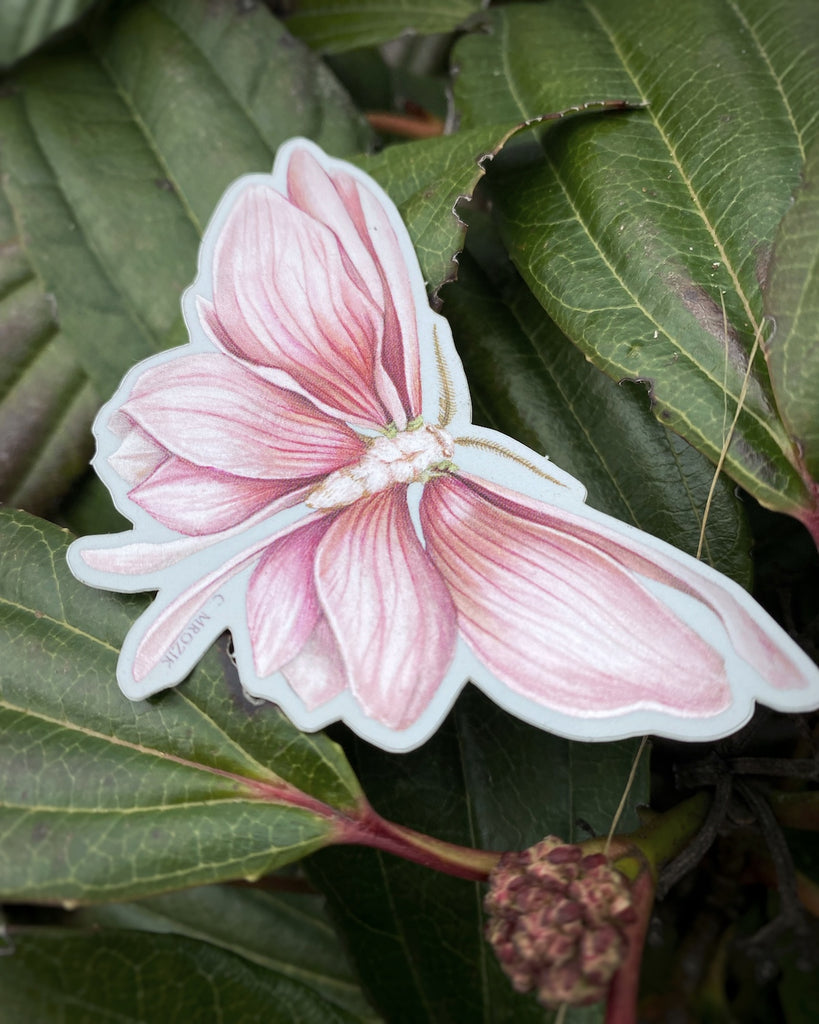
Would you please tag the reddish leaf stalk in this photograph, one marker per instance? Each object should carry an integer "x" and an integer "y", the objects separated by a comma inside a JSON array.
[
  {"x": 409, "y": 126},
  {"x": 462, "y": 861},
  {"x": 621, "y": 1006},
  {"x": 638, "y": 857},
  {"x": 363, "y": 826}
]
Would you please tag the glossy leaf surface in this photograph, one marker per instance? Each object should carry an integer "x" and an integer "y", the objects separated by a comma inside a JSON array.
[
  {"x": 792, "y": 300},
  {"x": 529, "y": 381},
  {"x": 124, "y": 975},
  {"x": 286, "y": 933},
  {"x": 336, "y": 25},
  {"x": 645, "y": 236},
  {"x": 117, "y": 148},
  {"x": 108, "y": 799},
  {"x": 24, "y": 24},
  {"x": 46, "y": 400}
]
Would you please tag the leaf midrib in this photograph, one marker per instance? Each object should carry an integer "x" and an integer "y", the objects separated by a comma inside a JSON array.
[
  {"x": 141, "y": 749},
  {"x": 763, "y": 422},
  {"x": 684, "y": 177},
  {"x": 763, "y": 53}
]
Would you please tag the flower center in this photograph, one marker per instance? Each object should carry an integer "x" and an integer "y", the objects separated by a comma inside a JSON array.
[{"x": 411, "y": 455}]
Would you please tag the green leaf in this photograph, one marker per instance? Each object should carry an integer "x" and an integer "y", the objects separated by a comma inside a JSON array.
[
  {"x": 792, "y": 299},
  {"x": 336, "y": 25},
  {"x": 107, "y": 976},
  {"x": 644, "y": 235},
  {"x": 488, "y": 780},
  {"x": 46, "y": 401},
  {"x": 529, "y": 381},
  {"x": 108, "y": 799},
  {"x": 288, "y": 934},
  {"x": 427, "y": 180},
  {"x": 116, "y": 150},
  {"x": 25, "y": 24}
]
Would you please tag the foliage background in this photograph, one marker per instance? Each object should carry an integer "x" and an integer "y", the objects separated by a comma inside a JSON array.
[{"x": 624, "y": 273}]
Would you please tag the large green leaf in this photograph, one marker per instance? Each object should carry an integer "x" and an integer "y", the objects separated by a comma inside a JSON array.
[
  {"x": 46, "y": 400},
  {"x": 103, "y": 798},
  {"x": 429, "y": 180},
  {"x": 488, "y": 780},
  {"x": 106, "y": 976},
  {"x": 426, "y": 180},
  {"x": 335, "y": 25},
  {"x": 24, "y": 24},
  {"x": 792, "y": 299},
  {"x": 288, "y": 934},
  {"x": 645, "y": 235},
  {"x": 116, "y": 149},
  {"x": 529, "y": 381}
]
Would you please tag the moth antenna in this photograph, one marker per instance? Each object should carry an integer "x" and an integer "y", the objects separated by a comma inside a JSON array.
[
  {"x": 493, "y": 446},
  {"x": 446, "y": 403}
]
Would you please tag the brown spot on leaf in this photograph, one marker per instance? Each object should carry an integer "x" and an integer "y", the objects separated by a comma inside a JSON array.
[
  {"x": 710, "y": 315},
  {"x": 762, "y": 263}
]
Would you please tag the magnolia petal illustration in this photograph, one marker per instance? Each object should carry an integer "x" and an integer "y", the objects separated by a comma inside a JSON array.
[
  {"x": 322, "y": 328},
  {"x": 138, "y": 455},
  {"x": 368, "y": 562},
  {"x": 368, "y": 238},
  {"x": 127, "y": 565},
  {"x": 389, "y": 609},
  {"x": 196, "y": 501},
  {"x": 282, "y": 604},
  {"x": 211, "y": 411},
  {"x": 317, "y": 673},
  {"x": 169, "y": 624},
  {"x": 755, "y": 636},
  {"x": 559, "y": 620}
]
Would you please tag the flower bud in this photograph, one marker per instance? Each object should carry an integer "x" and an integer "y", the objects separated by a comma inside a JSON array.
[{"x": 557, "y": 920}]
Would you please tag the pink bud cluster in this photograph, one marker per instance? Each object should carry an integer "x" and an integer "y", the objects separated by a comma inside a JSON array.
[{"x": 557, "y": 919}]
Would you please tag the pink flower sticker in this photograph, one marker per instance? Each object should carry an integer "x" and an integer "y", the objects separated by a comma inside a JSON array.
[{"x": 305, "y": 474}]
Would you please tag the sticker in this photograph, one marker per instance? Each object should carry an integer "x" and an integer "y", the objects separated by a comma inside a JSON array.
[{"x": 305, "y": 474}]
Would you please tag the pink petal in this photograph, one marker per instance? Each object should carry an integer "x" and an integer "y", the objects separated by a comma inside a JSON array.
[
  {"x": 211, "y": 411},
  {"x": 282, "y": 604},
  {"x": 143, "y": 557},
  {"x": 317, "y": 673},
  {"x": 388, "y": 607},
  {"x": 173, "y": 619},
  {"x": 197, "y": 501},
  {"x": 555, "y": 617},
  {"x": 284, "y": 298},
  {"x": 138, "y": 455},
  {"x": 374, "y": 256},
  {"x": 400, "y": 354},
  {"x": 753, "y": 634}
]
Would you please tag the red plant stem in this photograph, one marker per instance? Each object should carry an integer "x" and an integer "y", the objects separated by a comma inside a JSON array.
[
  {"x": 363, "y": 826},
  {"x": 621, "y": 1005},
  {"x": 410, "y": 126},
  {"x": 370, "y": 829}
]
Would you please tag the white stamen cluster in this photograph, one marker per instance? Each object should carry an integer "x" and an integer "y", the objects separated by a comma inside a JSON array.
[{"x": 404, "y": 458}]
